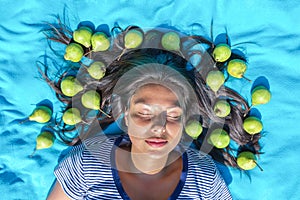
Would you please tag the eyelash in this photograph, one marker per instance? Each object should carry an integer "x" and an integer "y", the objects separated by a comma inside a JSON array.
[
  {"x": 147, "y": 116},
  {"x": 174, "y": 118}
]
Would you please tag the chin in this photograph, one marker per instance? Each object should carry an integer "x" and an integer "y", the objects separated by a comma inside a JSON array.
[{"x": 159, "y": 153}]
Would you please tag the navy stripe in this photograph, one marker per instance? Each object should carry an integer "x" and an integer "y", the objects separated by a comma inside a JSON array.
[
  {"x": 115, "y": 172},
  {"x": 88, "y": 172},
  {"x": 183, "y": 175}
]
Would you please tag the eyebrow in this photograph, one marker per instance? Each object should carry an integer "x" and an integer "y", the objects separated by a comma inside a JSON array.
[
  {"x": 143, "y": 101},
  {"x": 139, "y": 100}
]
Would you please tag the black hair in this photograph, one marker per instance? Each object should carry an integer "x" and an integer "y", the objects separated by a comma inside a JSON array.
[{"x": 119, "y": 60}]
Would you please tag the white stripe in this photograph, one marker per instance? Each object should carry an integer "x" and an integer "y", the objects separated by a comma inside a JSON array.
[{"x": 86, "y": 174}]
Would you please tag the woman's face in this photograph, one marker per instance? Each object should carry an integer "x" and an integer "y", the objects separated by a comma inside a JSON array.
[{"x": 154, "y": 121}]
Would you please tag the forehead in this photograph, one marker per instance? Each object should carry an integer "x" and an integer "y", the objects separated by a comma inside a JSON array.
[{"x": 155, "y": 94}]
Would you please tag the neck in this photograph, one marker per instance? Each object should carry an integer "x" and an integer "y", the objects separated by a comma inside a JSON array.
[
  {"x": 148, "y": 165},
  {"x": 129, "y": 160}
]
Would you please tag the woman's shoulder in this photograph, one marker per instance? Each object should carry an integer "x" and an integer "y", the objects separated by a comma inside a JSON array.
[
  {"x": 201, "y": 165},
  {"x": 87, "y": 166},
  {"x": 203, "y": 177},
  {"x": 94, "y": 149},
  {"x": 99, "y": 141},
  {"x": 200, "y": 159},
  {"x": 98, "y": 147}
]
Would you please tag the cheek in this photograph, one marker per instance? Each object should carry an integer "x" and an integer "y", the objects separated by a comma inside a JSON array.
[
  {"x": 175, "y": 133},
  {"x": 174, "y": 129},
  {"x": 136, "y": 130}
]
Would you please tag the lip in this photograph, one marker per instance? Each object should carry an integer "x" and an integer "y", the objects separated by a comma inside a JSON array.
[{"x": 156, "y": 143}]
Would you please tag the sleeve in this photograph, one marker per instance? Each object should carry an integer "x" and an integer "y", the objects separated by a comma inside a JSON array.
[
  {"x": 70, "y": 173},
  {"x": 219, "y": 189}
]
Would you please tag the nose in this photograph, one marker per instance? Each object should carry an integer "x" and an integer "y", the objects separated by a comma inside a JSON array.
[{"x": 159, "y": 123}]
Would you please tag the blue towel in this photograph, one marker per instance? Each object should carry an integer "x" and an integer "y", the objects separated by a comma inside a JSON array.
[{"x": 267, "y": 32}]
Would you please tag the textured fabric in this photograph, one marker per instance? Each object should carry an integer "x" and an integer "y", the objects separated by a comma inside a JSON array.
[
  {"x": 267, "y": 32},
  {"x": 86, "y": 173}
]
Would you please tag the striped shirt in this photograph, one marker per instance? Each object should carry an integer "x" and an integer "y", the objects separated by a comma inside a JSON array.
[{"x": 87, "y": 172}]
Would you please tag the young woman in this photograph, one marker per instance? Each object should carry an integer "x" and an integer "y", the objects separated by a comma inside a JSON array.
[{"x": 152, "y": 94}]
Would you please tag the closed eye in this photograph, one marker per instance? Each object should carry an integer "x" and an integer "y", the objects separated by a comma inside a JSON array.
[
  {"x": 173, "y": 118},
  {"x": 145, "y": 115}
]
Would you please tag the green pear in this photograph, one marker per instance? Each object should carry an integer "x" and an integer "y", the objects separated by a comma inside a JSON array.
[
  {"x": 252, "y": 125},
  {"x": 74, "y": 52},
  {"x": 237, "y": 68},
  {"x": 83, "y": 36},
  {"x": 100, "y": 42},
  {"x": 41, "y": 114},
  {"x": 70, "y": 86},
  {"x": 221, "y": 52},
  {"x": 246, "y": 160},
  {"x": 193, "y": 129},
  {"x": 171, "y": 41},
  {"x": 219, "y": 138},
  {"x": 44, "y": 140},
  {"x": 215, "y": 79},
  {"x": 260, "y": 95},
  {"x": 222, "y": 108},
  {"x": 97, "y": 70},
  {"x": 133, "y": 39},
  {"x": 91, "y": 100},
  {"x": 71, "y": 116}
]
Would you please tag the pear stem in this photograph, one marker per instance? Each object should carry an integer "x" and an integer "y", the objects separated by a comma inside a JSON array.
[
  {"x": 119, "y": 57},
  {"x": 33, "y": 153},
  {"x": 246, "y": 78},
  {"x": 261, "y": 169},
  {"x": 87, "y": 53},
  {"x": 23, "y": 121},
  {"x": 85, "y": 67},
  {"x": 181, "y": 54},
  {"x": 247, "y": 111},
  {"x": 105, "y": 113},
  {"x": 90, "y": 55}
]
